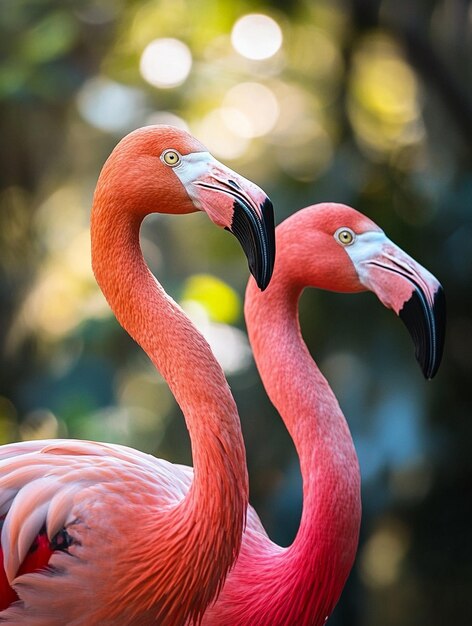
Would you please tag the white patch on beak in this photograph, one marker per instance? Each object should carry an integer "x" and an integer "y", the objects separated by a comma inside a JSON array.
[
  {"x": 367, "y": 246},
  {"x": 193, "y": 167}
]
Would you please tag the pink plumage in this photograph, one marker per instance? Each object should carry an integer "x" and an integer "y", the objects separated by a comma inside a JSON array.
[
  {"x": 334, "y": 247},
  {"x": 94, "y": 533}
]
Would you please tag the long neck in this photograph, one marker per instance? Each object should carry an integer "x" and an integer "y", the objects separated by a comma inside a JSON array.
[
  {"x": 207, "y": 525},
  {"x": 317, "y": 564}
]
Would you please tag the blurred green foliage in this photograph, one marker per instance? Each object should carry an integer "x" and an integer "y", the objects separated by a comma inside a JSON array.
[{"x": 367, "y": 102}]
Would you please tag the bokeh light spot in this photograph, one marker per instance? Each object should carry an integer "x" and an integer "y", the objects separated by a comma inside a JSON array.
[
  {"x": 256, "y": 36},
  {"x": 383, "y": 103},
  {"x": 308, "y": 151},
  {"x": 166, "y": 63},
  {"x": 256, "y": 106},
  {"x": 214, "y": 132},
  {"x": 110, "y": 106},
  {"x": 166, "y": 117},
  {"x": 41, "y": 424},
  {"x": 229, "y": 344},
  {"x": 383, "y": 554},
  {"x": 221, "y": 302}
]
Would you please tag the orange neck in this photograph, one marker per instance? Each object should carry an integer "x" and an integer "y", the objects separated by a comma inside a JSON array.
[{"x": 207, "y": 524}]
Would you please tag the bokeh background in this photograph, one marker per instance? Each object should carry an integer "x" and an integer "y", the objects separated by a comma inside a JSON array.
[{"x": 367, "y": 102}]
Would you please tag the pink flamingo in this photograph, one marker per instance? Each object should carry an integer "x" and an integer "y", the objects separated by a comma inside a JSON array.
[
  {"x": 329, "y": 246},
  {"x": 129, "y": 539}
]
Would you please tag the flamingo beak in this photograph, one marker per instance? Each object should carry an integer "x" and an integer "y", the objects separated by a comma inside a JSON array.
[
  {"x": 255, "y": 231},
  {"x": 236, "y": 204},
  {"x": 410, "y": 290},
  {"x": 424, "y": 315}
]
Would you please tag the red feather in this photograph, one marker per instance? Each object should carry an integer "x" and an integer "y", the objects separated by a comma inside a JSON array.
[{"x": 36, "y": 559}]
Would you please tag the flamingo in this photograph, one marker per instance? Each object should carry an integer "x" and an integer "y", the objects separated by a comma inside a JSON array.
[
  {"x": 95, "y": 533},
  {"x": 333, "y": 247}
]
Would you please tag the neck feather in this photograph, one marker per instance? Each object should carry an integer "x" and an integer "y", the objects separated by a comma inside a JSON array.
[
  {"x": 210, "y": 519},
  {"x": 317, "y": 564}
]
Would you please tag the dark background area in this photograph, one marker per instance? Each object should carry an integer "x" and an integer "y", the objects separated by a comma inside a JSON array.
[{"x": 366, "y": 102}]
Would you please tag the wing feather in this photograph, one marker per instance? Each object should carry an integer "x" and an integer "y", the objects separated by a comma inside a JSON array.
[
  {"x": 6, "y": 498},
  {"x": 24, "y": 521},
  {"x": 42, "y": 481},
  {"x": 60, "y": 507}
]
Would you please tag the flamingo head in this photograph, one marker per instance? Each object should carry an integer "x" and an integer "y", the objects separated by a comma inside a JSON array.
[
  {"x": 350, "y": 253},
  {"x": 162, "y": 169}
]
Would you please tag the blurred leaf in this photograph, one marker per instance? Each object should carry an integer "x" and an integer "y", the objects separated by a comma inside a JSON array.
[
  {"x": 51, "y": 38},
  {"x": 13, "y": 76}
]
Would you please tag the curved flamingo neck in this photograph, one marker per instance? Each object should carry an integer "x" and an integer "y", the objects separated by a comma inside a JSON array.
[
  {"x": 206, "y": 526},
  {"x": 313, "y": 570}
]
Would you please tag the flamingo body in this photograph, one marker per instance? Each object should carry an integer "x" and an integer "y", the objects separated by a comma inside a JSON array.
[
  {"x": 94, "y": 533},
  {"x": 86, "y": 486},
  {"x": 334, "y": 247}
]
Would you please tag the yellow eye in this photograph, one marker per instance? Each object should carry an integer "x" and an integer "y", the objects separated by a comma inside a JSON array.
[
  {"x": 345, "y": 236},
  {"x": 171, "y": 157}
]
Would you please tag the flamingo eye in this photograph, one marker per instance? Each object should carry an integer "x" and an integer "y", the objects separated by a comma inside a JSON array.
[
  {"x": 171, "y": 157},
  {"x": 345, "y": 236}
]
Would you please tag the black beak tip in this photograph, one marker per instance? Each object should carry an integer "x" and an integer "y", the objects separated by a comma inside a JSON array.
[
  {"x": 426, "y": 325},
  {"x": 267, "y": 210},
  {"x": 257, "y": 237}
]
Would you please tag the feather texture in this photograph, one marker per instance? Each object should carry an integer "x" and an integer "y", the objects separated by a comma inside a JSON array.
[{"x": 55, "y": 484}]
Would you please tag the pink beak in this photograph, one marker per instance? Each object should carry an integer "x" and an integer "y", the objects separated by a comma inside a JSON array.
[
  {"x": 235, "y": 203},
  {"x": 413, "y": 293}
]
